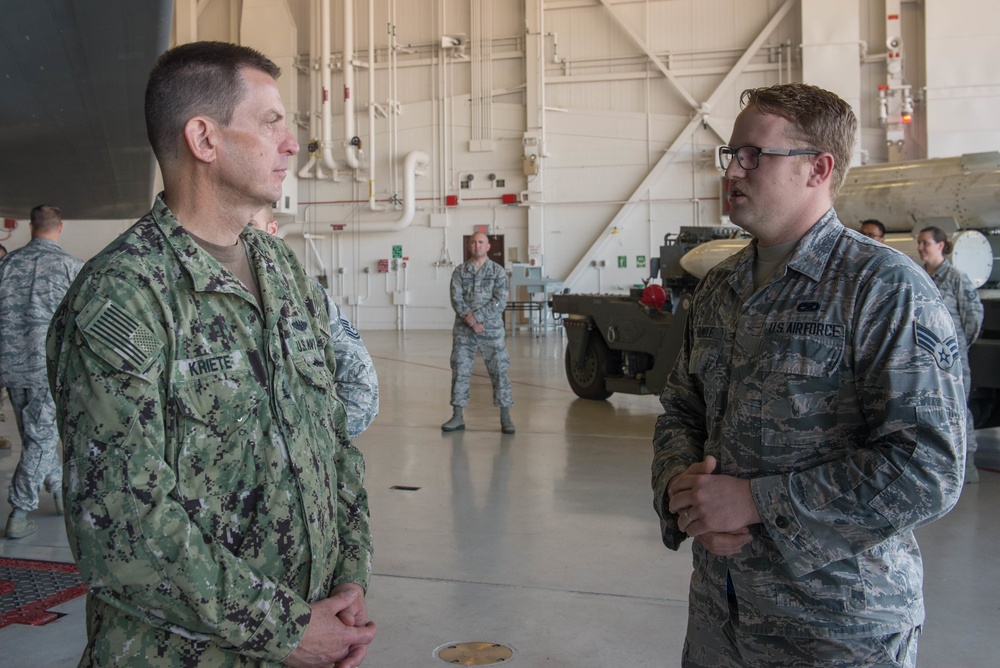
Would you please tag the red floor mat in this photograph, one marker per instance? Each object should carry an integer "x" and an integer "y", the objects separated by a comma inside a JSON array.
[{"x": 29, "y": 588}]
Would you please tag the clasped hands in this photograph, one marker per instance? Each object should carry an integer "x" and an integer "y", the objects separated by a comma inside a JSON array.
[
  {"x": 338, "y": 633},
  {"x": 471, "y": 321},
  {"x": 715, "y": 510}
]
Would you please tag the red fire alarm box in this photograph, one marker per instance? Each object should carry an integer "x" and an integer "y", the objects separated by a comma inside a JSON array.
[{"x": 509, "y": 198}]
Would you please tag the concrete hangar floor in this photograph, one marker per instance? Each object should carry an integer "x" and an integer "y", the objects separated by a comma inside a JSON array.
[{"x": 544, "y": 542}]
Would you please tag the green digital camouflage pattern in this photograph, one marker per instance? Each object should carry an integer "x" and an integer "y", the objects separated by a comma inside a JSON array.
[
  {"x": 483, "y": 292},
  {"x": 836, "y": 389},
  {"x": 966, "y": 309},
  {"x": 211, "y": 488}
]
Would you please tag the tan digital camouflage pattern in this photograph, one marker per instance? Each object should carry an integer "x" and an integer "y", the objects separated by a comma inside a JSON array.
[
  {"x": 966, "y": 309},
  {"x": 483, "y": 292},
  {"x": 826, "y": 389},
  {"x": 211, "y": 488}
]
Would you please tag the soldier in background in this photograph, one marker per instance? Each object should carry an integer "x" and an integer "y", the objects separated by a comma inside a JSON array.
[
  {"x": 815, "y": 415},
  {"x": 966, "y": 309},
  {"x": 873, "y": 229},
  {"x": 479, "y": 291},
  {"x": 357, "y": 382},
  {"x": 215, "y": 503},
  {"x": 33, "y": 280}
]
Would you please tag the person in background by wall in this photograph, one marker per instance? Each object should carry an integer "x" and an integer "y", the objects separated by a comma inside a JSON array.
[
  {"x": 33, "y": 280},
  {"x": 811, "y": 421},
  {"x": 873, "y": 229},
  {"x": 357, "y": 382},
  {"x": 479, "y": 290},
  {"x": 966, "y": 309},
  {"x": 215, "y": 504}
]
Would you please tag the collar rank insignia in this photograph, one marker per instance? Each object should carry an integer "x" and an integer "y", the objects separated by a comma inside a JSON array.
[{"x": 945, "y": 352}]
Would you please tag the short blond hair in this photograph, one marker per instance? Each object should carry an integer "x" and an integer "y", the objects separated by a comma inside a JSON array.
[{"x": 822, "y": 120}]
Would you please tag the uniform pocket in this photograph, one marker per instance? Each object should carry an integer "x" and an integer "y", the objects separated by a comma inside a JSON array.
[
  {"x": 221, "y": 448},
  {"x": 711, "y": 350},
  {"x": 800, "y": 390}
]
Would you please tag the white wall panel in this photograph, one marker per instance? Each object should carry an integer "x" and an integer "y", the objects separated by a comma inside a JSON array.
[
  {"x": 830, "y": 48},
  {"x": 963, "y": 80}
]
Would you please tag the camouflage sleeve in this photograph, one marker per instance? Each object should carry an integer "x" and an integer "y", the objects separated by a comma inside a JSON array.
[
  {"x": 354, "y": 563},
  {"x": 357, "y": 382},
  {"x": 458, "y": 303},
  {"x": 679, "y": 436},
  {"x": 135, "y": 544},
  {"x": 908, "y": 469},
  {"x": 495, "y": 305},
  {"x": 970, "y": 306}
]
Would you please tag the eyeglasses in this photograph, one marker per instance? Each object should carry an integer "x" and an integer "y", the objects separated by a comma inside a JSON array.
[{"x": 748, "y": 157}]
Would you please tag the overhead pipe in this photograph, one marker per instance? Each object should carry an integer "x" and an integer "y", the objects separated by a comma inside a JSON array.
[
  {"x": 413, "y": 159},
  {"x": 350, "y": 148}
]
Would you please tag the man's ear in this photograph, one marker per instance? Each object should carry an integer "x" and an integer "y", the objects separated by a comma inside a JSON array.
[
  {"x": 201, "y": 137},
  {"x": 272, "y": 227},
  {"x": 822, "y": 169}
]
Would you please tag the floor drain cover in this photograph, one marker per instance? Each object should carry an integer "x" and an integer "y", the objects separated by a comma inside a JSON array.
[{"x": 475, "y": 653}]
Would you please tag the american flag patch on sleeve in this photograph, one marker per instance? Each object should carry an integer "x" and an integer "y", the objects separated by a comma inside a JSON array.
[{"x": 130, "y": 341}]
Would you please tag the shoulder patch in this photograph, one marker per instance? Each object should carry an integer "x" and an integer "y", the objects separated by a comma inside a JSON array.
[
  {"x": 945, "y": 352},
  {"x": 121, "y": 334},
  {"x": 349, "y": 328}
]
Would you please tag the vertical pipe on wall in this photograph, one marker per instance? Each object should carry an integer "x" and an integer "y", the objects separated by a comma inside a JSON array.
[
  {"x": 326, "y": 111},
  {"x": 392, "y": 102},
  {"x": 350, "y": 125},
  {"x": 306, "y": 171},
  {"x": 372, "y": 206}
]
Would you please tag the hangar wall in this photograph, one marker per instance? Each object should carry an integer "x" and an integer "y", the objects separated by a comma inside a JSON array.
[{"x": 622, "y": 103}]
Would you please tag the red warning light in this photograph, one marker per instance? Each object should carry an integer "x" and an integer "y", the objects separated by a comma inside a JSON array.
[{"x": 907, "y": 118}]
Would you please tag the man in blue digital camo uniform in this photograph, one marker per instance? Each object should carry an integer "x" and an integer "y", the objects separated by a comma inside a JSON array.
[
  {"x": 479, "y": 291},
  {"x": 357, "y": 382},
  {"x": 33, "y": 280},
  {"x": 814, "y": 417},
  {"x": 215, "y": 503}
]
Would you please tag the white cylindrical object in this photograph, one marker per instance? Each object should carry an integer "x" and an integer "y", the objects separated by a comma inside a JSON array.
[
  {"x": 951, "y": 193},
  {"x": 700, "y": 259},
  {"x": 971, "y": 254}
]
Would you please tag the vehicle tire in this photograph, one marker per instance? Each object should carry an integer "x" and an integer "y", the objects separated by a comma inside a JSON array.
[{"x": 587, "y": 380}]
